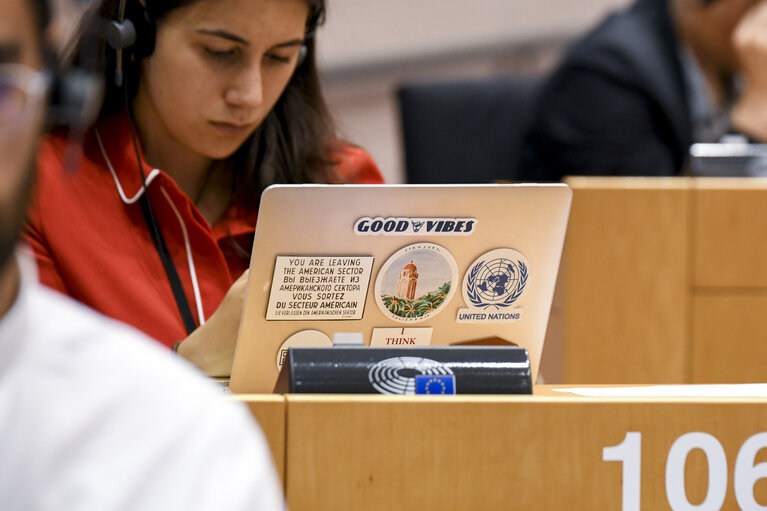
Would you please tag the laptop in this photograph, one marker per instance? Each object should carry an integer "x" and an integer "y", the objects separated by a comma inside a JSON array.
[
  {"x": 399, "y": 266},
  {"x": 733, "y": 158}
]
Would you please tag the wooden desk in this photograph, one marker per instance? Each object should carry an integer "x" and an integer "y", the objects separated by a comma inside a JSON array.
[
  {"x": 542, "y": 452},
  {"x": 270, "y": 411},
  {"x": 663, "y": 280}
]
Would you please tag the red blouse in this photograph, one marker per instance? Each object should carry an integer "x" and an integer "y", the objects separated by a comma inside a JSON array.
[{"x": 91, "y": 241}]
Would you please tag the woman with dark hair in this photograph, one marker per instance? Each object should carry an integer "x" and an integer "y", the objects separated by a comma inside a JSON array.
[{"x": 212, "y": 101}]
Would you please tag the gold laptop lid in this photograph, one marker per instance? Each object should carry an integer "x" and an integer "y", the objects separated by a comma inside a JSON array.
[{"x": 399, "y": 265}]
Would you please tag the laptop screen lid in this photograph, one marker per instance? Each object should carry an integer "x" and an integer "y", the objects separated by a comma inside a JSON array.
[{"x": 399, "y": 265}]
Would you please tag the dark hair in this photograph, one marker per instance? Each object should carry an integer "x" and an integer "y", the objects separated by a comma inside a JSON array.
[
  {"x": 42, "y": 13},
  {"x": 293, "y": 142}
]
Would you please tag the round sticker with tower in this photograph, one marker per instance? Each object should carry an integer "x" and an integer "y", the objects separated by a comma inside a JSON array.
[{"x": 416, "y": 282}]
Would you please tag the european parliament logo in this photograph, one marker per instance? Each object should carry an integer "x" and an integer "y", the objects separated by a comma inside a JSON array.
[
  {"x": 398, "y": 375},
  {"x": 435, "y": 384}
]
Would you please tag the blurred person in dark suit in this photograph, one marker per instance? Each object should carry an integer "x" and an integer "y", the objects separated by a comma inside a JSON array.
[
  {"x": 93, "y": 414},
  {"x": 631, "y": 96}
]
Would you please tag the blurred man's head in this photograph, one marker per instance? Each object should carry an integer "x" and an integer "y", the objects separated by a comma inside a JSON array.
[
  {"x": 707, "y": 27},
  {"x": 22, "y": 108}
]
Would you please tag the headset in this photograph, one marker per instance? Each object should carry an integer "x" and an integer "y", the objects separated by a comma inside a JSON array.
[
  {"x": 74, "y": 99},
  {"x": 75, "y": 96},
  {"x": 135, "y": 34}
]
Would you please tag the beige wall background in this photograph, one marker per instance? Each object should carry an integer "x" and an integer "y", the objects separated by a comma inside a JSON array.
[{"x": 368, "y": 47}]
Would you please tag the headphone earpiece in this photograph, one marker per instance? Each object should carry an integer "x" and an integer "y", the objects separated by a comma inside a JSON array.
[
  {"x": 120, "y": 35},
  {"x": 74, "y": 102},
  {"x": 302, "y": 52},
  {"x": 75, "y": 94},
  {"x": 75, "y": 99},
  {"x": 133, "y": 33}
]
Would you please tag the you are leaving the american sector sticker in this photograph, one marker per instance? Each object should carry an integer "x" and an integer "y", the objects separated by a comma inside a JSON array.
[{"x": 319, "y": 287}]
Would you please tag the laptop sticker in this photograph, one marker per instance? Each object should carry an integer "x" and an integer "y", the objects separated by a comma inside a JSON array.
[
  {"x": 319, "y": 288},
  {"x": 493, "y": 287},
  {"x": 367, "y": 226},
  {"x": 302, "y": 339},
  {"x": 416, "y": 283},
  {"x": 401, "y": 337}
]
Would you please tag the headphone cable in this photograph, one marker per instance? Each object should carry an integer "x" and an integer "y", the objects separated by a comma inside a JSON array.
[{"x": 159, "y": 242}]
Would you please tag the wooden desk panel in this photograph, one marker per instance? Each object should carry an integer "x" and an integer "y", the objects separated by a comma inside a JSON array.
[
  {"x": 270, "y": 413},
  {"x": 626, "y": 281},
  {"x": 664, "y": 281},
  {"x": 472, "y": 453},
  {"x": 730, "y": 338},
  {"x": 731, "y": 233}
]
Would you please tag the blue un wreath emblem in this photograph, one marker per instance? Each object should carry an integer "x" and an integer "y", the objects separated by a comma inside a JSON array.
[{"x": 496, "y": 282}]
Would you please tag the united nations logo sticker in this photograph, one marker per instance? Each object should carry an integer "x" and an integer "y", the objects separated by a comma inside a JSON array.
[{"x": 493, "y": 287}]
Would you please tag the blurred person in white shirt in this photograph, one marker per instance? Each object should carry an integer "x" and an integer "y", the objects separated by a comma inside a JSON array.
[{"x": 94, "y": 416}]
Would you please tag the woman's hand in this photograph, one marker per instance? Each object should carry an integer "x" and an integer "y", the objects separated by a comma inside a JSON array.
[
  {"x": 749, "y": 116},
  {"x": 211, "y": 346}
]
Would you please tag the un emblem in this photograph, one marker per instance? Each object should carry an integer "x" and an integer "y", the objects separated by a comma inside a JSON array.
[
  {"x": 496, "y": 283},
  {"x": 493, "y": 286}
]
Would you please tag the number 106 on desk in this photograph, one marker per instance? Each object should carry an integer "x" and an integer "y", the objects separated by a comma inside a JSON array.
[{"x": 745, "y": 474}]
